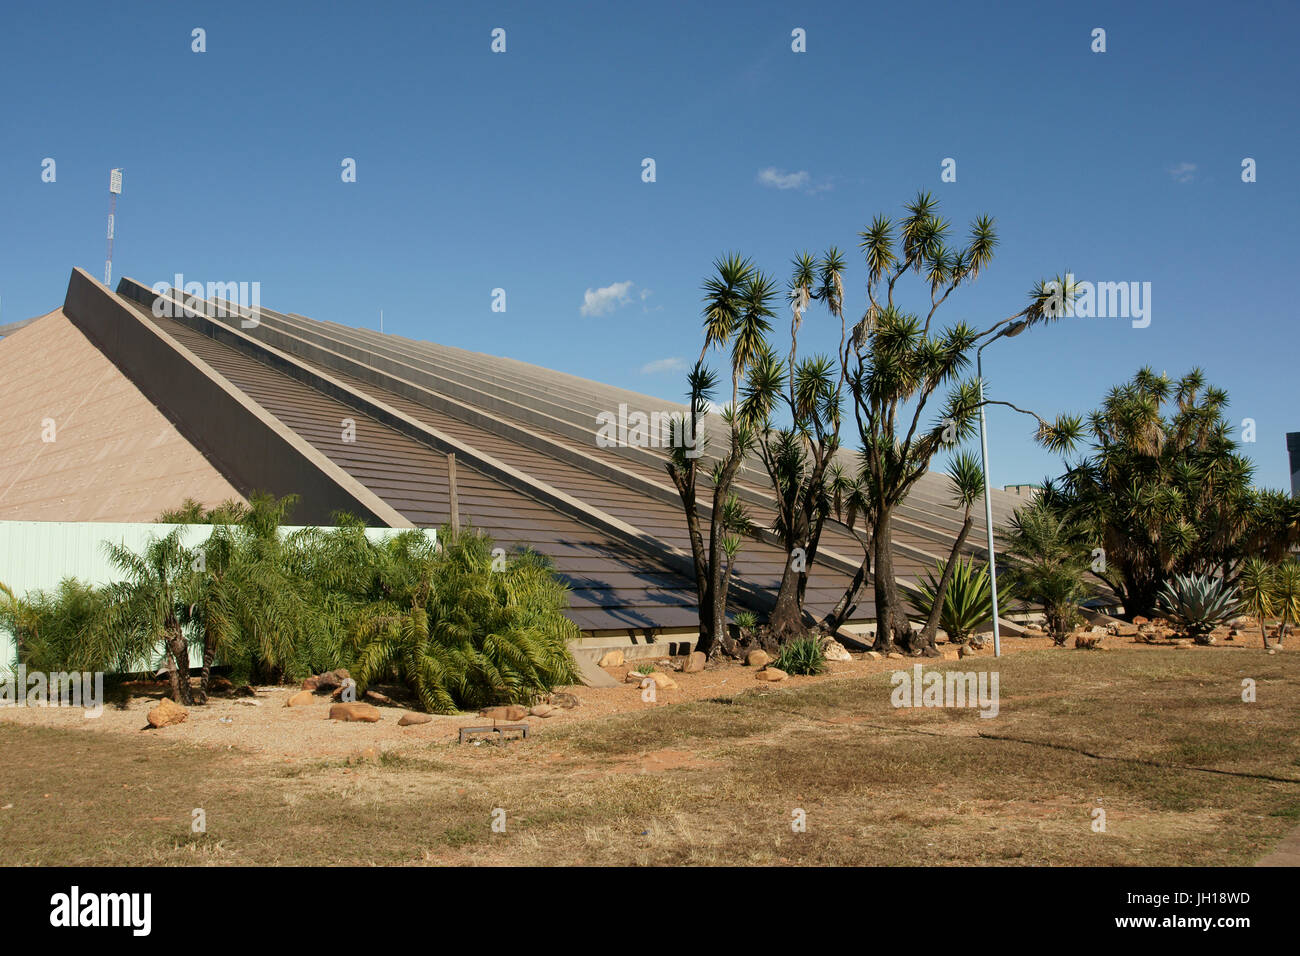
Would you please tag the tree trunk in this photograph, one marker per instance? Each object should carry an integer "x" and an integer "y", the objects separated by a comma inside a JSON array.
[
  {"x": 892, "y": 627},
  {"x": 786, "y": 620},
  {"x": 848, "y": 601},
  {"x": 209, "y": 654},
  {"x": 181, "y": 674},
  {"x": 925, "y": 640}
]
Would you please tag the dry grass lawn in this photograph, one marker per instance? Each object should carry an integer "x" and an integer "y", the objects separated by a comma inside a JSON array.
[{"x": 1186, "y": 772}]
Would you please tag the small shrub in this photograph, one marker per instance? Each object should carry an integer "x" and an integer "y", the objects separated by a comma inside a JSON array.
[
  {"x": 803, "y": 655},
  {"x": 746, "y": 620},
  {"x": 646, "y": 668}
]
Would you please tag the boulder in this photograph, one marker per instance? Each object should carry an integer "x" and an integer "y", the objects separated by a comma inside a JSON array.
[
  {"x": 611, "y": 659},
  {"x": 771, "y": 674},
  {"x": 662, "y": 680},
  {"x": 634, "y": 677},
  {"x": 541, "y": 710},
  {"x": 356, "y": 710},
  {"x": 303, "y": 698},
  {"x": 835, "y": 651},
  {"x": 874, "y": 655},
  {"x": 375, "y": 697},
  {"x": 694, "y": 663},
  {"x": 757, "y": 658},
  {"x": 167, "y": 712},
  {"x": 963, "y": 650},
  {"x": 311, "y": 683},
  {"x": 220, "y": 685},
  {"x": 411, "y": 719},
  {"x": 895, "y": 655},
  {"x": 510, "y": 712}
]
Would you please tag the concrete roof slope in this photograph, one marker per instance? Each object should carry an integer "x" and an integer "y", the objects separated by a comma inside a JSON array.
[
  {"x": 613, "y": 586},
  {"x": 924, "y": 526},
  {"x": 576, "y": 401},
  {"x": 646, "y": 500},
  {"x": 114, "y": 455}
]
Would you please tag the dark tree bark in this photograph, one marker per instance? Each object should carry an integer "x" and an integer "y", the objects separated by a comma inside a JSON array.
[
  {"x": 892, "y": 627},
  {"x": 926, "y": 639}
]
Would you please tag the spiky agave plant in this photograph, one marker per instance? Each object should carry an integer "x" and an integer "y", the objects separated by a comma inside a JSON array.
[
  {"x": 967, "y": 600},
  {"x": 803, "y": 655},
  {"x": 1198, "y": 604}
]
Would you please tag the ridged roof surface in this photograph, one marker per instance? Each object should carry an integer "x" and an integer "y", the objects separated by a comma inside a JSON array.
[{"x": 529, "y": 469}]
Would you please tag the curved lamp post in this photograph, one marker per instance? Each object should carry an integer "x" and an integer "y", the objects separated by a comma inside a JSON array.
[{"x": 1011, "y": 331}]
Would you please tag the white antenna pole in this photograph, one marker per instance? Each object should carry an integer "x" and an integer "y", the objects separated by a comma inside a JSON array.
[{"x": 115, "y": 190}]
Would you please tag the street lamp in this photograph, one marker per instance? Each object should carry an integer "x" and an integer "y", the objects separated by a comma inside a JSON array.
[{"x": 1011, "y": 331}]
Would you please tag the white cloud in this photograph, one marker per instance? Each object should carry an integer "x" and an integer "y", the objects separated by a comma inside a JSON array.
[
  {"x": 775, "y": 178},
  {"x": 1183, "y": 172},
  {"x": 605, "y": 300},
  {"x": 663, "y": 365}
]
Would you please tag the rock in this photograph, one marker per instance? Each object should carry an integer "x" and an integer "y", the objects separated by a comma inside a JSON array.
[
  {"x": 965, "y": 650},
  {"x": 311, "y": 683},
  {"x": 245, "y": 691},
  {"x": 378, "y": 698},
  {"x": 560, "y": 699},
  {"x": 757, "y": 658},
  {"x": 695, "y": 663},
  {"x": 356, "y": 710},
  {"x": 895, "y": 655},
  {"x": 874, "y": 655},
  {"x": 303, "y": 698},
  {"x": 510, "y": 712},
  {"x": 611, "y": 659},
  {"x": 411, "y": 719},
  {"x": 167, "y": 712},
  {"x": 634, "y": 677},
  {"x": 220, "y": 685},
  {"x": 323, "y": 683},
  {"x": 771, "y": 674},
  {"x": 541, "y": 710},
  {"x": 248, "y": 703},
  {"x": 835, "y": 651},
  {"x": 663, "y": 681},
  {"x": 1140, "y": 620}
]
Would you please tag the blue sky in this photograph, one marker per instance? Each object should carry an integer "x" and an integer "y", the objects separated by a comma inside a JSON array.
[{"x": 522, "y": 171}]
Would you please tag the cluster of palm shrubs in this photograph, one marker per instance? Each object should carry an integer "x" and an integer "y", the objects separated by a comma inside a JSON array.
[{"x": 459, "y": 625}]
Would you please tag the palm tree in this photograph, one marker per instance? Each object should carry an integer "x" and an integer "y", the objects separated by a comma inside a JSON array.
[
  {"x": 461, "y": 634},
  {"x": 1257, "y": 584},
  {"x": 798, "y": 459},
  {"x": 148, "y": 608},
  {"x": 895, "y": 365},
  {"x": 967, "y": 477},
  {"x": 1287, "y": 595},
  {"x": 1047, "y": 562},
  {"x": 737, "y": 308}
]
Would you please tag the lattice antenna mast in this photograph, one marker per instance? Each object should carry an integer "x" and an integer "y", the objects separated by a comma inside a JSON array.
[{"x": 114, "y": 190}]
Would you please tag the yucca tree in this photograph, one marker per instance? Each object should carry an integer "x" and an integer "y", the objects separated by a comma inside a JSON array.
[
  {"x": 1257, "y": 583},
  {"x": 1047, "y": 564},
  {"x": 146, "y": 609},
  {"x": 897, "y": 362},
  {"x": 798, "y": 458},
  {"x": 966, "y": 477},
  {"x": 960, "y": 598},
  {"x": 738, "y": 304},
  {"x": 1164, "y": 490},
  {"x": 1286, "y": 595}
]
